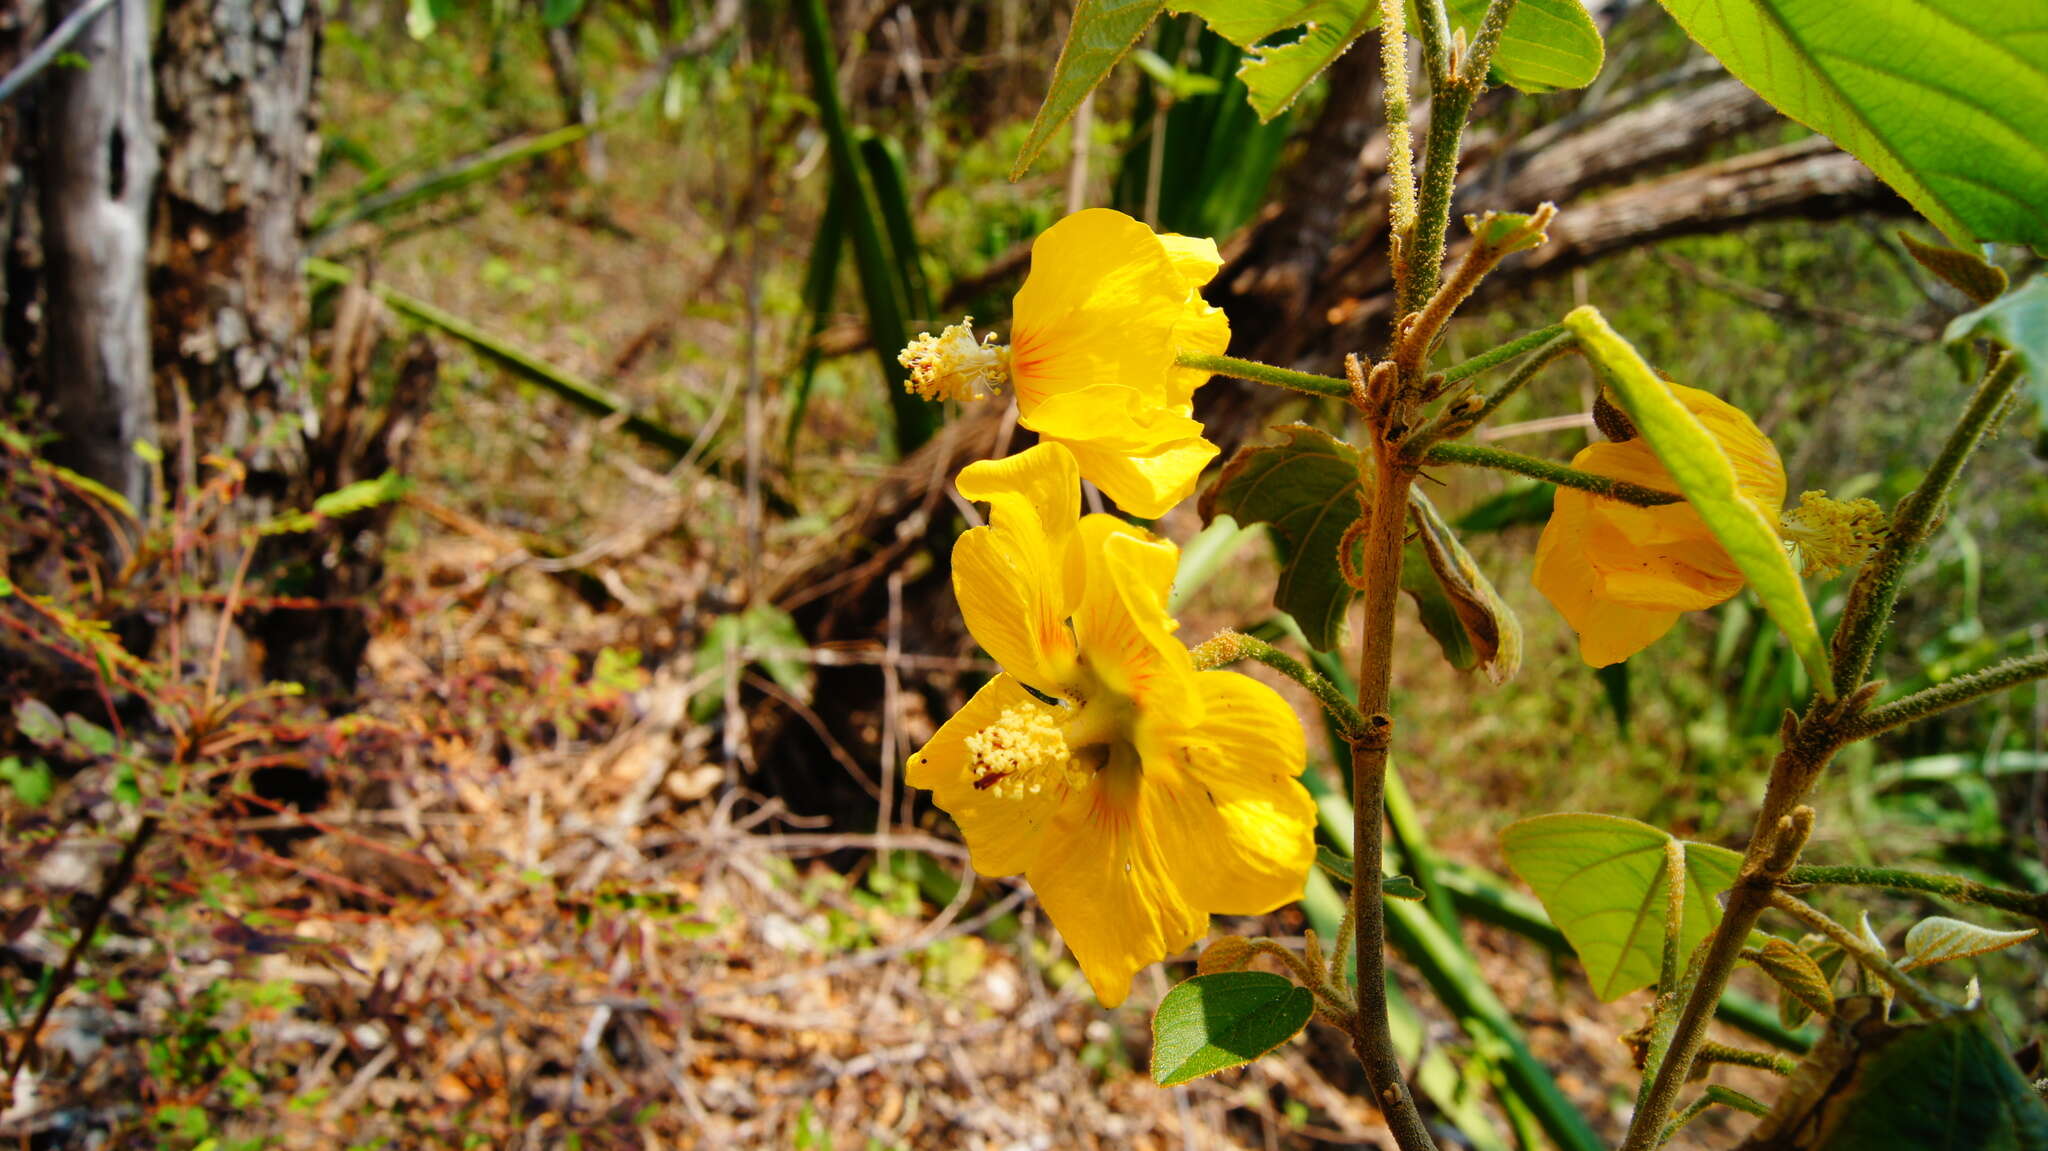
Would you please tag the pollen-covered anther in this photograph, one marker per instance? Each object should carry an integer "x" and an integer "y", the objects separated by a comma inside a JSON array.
[
  {"x": 1019, "y": 754},
  {"x": 1833, "y": 535},
  {"x": 953, "y": 365}
]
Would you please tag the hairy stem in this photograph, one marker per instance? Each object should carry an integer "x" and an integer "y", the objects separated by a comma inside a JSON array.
[
  {"x": 1494, "y": 357},
  {"x": 1400, "y": 146},
  {"x": 1872, "y": 960},
  {"x": 1306, "y": 382},
  {"x": 1451, "y": 99},
  {"x": 1954, "y": 887},
  {"x": 1955, "y": 693},
  {"x": 1876, "y": 590},
  {"x": 1464, "y": 415},
  {"x": 1227, "y": 647},
  {"x": 1472, "y": 455}
]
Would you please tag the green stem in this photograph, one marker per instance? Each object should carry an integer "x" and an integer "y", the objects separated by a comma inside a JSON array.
[
  {"x": 1873, "y": 961},
  {"x": 1450, "y": 103},
  {"x": 1876, "y": 590},
  {"x": 1258, "y": 373},
  {"x": 1433, "y": 29},
  {"x": 1494, "y": 357},
  {"x": 1227, "y": 647},
  {"x": 1954, "y": 693},
  {"x": 1954, "y": 887},
  {"x": 1472, "y": 455},
  {"x": 1769, "y": 1061},
  {"x": 1453, "y": 422}
]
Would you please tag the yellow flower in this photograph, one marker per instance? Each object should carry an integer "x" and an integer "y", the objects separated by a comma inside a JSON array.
[
  {"x": 1622, "y": 575},
  {"x": 1146, "y": 795},
  {"x": 1095, "y": 330}
]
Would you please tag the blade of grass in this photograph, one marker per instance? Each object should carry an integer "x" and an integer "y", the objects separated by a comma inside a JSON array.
[
  {"x": 879, "y": 284},
  {"x": 821, "y": 281}
]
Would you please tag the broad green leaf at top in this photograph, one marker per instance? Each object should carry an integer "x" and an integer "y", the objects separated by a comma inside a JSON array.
[
  {"x": 1547, "y": 45},
  {"x": 2018, "y": 321},
  {"x": 1703, "y": 473},
  {"x": 1102, "y": 31},
  {"x": 1604, "y": 880},
  {"x": 1941, "y": 98}
]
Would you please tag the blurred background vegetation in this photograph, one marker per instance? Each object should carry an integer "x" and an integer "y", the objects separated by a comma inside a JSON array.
[{"x": 538, "y": 788}]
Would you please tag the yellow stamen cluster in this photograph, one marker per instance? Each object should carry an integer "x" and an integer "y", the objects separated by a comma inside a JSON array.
[
  {"x": 1833, "y": 535},
  {"x": 1019, "y": 754},
  {"x": 953, "y": 365}
]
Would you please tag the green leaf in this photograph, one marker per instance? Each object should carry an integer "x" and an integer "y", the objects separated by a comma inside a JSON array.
[
  {"x": 1967, "y": 272},
  {"x": 31, "y": 782},
  {"x": 1391, "y": 887},
  {"x": 2017, "y": 322},
  {"x": 1706, "y": 477},
  {"x": 1941, "y": 98},
  {"x": 96, "y": 740},
  {"x": 1459, "y": 607},
  {"x": 1547, "y": 45},
  {"x": 38, "y": 723},
  {"x": 1931, "y": 1085},
  {"x": 1276, "y": 74},
  {"x": 1307, "y": 488},
  {"x": 1215, "y": 1022},
  {"x": 1939, "y": 939},
  {"x": 1602, "y": 879},
  {"x": 1102, "y": 31},
  {"x": 1796, "y": 973},
  {"x": 762, "y": 636}
]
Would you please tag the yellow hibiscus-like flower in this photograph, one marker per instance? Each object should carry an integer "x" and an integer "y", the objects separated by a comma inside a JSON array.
[
  {"x": 1622, "y": 575},
  {"x": 1095, "y": 331},
  {"x": 1146, "y": 795}
]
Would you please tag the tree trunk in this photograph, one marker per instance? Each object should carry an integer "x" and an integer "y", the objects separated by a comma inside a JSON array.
[
  {"x": 98, "y": 166},
  {"x": 235, "y": 80}
]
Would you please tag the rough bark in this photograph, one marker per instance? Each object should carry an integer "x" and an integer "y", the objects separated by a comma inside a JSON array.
[
  {"x": 98, "y": 166},
  {"x": 235, "y": 81}
]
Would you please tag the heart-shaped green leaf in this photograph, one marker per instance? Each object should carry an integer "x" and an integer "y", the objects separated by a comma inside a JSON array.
[
  {"x": 1704, "y": 474},
  {"x": 1941, "y": 98},
  {"x": 1603, "y": 880},
  {"x": 1215, "y": 1022}
]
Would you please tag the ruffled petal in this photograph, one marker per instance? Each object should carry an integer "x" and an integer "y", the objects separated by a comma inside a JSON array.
[
  {"x": 1007, "y": 587},
  {"x": 1147, "y": 486},
  {"x": 1233, "y": 820},
  {"x": 1110, "y": 417},
  {"x": 1759, "y": 471},
  {"x": 1123, "y": 627},
  {"x": 1608, "y": 632},
  {"x": 1003, "y": 833},
  {"x": 1202, "y": 328},
  {"x": 1105, "y": 884},
  {"x": 1100, "y": 306},
  {"x": 1194, "y": 257},
  {"x": 1037, "y": 490}
]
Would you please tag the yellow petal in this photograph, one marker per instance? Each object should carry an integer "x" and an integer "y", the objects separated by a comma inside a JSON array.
[
  {"x": 1100, "y": 306},
  {"x": 1203, "y": 329},
  {"x": 1003, "y": 833},
  {"x": 1038, "y": 486},
  {"x": 1148, "y": 486},
  {"x": 1123, "y": 628},
  {"x": 1234, "y": 823},
  {"x": 1194, "y": 257},
  {"x": 1759, "y": 472},
  {"x": 1105, "y": 885},
  {"x": 1008, "y": 586},
  {"x": 1608, "y": 632},
  {"x": 1110, "y": 417}
]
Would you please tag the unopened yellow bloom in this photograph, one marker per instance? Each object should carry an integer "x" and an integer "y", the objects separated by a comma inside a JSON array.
[
  {"x": 1095, "y": 331},
  {"x": 1622, "y": 575},
  {"x": 1148, "y": 795}
]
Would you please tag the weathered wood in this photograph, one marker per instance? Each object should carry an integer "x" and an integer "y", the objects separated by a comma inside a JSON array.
[{"x": 98, "y": 167}]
